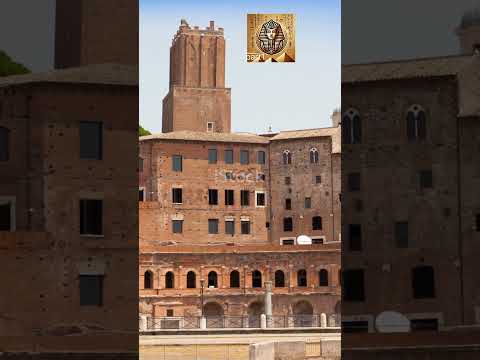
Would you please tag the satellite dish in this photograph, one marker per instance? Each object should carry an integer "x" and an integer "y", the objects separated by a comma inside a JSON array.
[
  {"x": 304, "y": 240},
  {"x": 392, "y": 322}
]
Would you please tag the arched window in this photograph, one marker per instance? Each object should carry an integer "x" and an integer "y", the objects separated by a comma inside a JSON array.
[
  {"x": 279, "y": 279},
  {"x": 323, "y": 277},
  {"x": 191, "y": 280},
  {"x": 256, "y": 279},
  {"x": 423, "y": 282},
  {"x": 287, "y": 157},
  {"x": 234, "y": 279},
  {"x": 169, "y": 280},
  {"x": 148, "y": 280},
  {"x": 314, "y": 156},
  {"x": 212, "y": 279},
  {"x": 416, "y": 123},
  {"x": 351, "y": 127},
  {"x": 4, "y": 144},
  {"x": 302, "y": 278}
]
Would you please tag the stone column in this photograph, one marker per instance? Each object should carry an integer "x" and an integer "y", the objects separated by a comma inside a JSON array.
[{"x": 268, "y": 298}]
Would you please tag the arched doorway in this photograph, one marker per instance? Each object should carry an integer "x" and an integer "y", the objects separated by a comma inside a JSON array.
[
  {"x": 303, "y": 314},
  {"x": 255, "y": 309},
  {"x": 213, "y": 312}
]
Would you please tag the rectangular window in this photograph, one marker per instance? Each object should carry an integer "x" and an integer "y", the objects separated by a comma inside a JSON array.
[
  {"x": 357, "y": 326},
  {"x": 4, "y": 144},
  {"x": 424, "y": 324},
  {"x": 287, "y": 224},
  {"x": 229, "y": 197},
  {"x": 230, "y": 227},
  {"x": 245, "y": 227},
  {"x": 401, "y": 234},
  {"x": 244, "y": 157},
  {"x": 288, "y": 204},
  {"x": 353, "y": 285},
  {"x": 6, "y": 217},
  {"x": 141, "y": 194},
  {"x": 177, "y": 195},
  {"x": 261, "y": 158},
  {"x": 91, "y": 290},
  {"x": 317, "y": 223},
  {"x": 210, "y": 126},
  {"x": 288, "y": 180},
  {"x": 91, "y": 217},
  {"x": 212, "y": 156},
  {"x": 177, "y": 162},
  {"x": 354, "y": 182},
  {"x": 212, "y": 197},
  {"x": 177, "y": 226},
  {"x": 91, "y": 140},
  {"x": 213, "y": 226},
  {"x": 318, "y": 241},
  {"x": 288, "y": 242},
  {"x": 318, "y": 179},
  {"x": 245, "y": 197},
  {"x": 308, "y": 203},
  {"x": 355, "y": 237},
  {"x": 229, "y": 156},
  {"x": 260, "y": 199},
  {"x": 426, "y": 179}
]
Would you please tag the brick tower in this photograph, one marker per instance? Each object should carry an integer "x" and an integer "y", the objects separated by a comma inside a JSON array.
[
  {"x": 469, "y": 32},
  {"x": 95, "y": 32},
  {"x": 197, "y": 99}
]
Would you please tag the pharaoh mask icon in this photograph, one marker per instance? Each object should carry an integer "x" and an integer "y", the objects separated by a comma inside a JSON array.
[{"x": 271, "y": 38}]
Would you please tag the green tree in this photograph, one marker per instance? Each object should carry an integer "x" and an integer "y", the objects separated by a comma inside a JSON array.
[
  {"x": 9, "y": 67},
  {"x": 142, "y": 131}
]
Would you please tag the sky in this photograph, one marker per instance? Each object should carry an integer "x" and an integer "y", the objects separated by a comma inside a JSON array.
[{"x": 300, "y": 95}]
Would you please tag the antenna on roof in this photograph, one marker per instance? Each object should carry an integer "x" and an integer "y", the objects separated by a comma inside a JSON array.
[{"x": 269, "y": 128}]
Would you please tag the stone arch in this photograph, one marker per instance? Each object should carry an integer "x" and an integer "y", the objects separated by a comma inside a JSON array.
[
  {"x": 303, "y": 314},
  {"x": 212, "y": 279},
  {"x": 254, "y": 310},
  {"x": 256, "y": 279},
  {"x": 213, "y": 313},
  {"x": 191, "y": 280},
  {"x": 279, "y": 279},
  {"x": 148, "y": 280}
]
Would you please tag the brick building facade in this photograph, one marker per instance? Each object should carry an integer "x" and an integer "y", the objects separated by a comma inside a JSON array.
[
  {"x": 231, "y": 208},
  {"x": 410, "y": 205}
]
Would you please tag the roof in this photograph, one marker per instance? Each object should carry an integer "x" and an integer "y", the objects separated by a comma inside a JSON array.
[
  {"x": 101, "y": 74},
  {"x": 250, "y": 138},
  {"x": 207, "y": 136},
  {"x": 405, "y": 69}
]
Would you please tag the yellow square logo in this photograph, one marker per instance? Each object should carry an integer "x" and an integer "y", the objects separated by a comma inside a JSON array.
[{"x": 270, "y": 38}]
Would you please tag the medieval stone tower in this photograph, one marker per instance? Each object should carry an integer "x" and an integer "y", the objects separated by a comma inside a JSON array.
[
  {"x": 96, "y": 32},
  {"x": 197, "y": 99},
  {"x": 469, "y": 32}
]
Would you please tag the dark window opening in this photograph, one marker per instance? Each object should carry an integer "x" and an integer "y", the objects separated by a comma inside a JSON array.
[
  {"x": 91, "y": 140},
  {"x": 355, "y": 237},
  {"x": 212, "y": 279},
  {"x": 141, "y": 195},
  {"x": 6, "y": 217},
  {"x": 191, "y": 280},
  {"x": 317, "y": 241},
  {"x": 260, "y": 199},
  {"x": 288, "y": 204},
  {"x": 288, "y": 224},
  {"x": 91, "y": 290},
  {"x": 308, "y": 203},
  {"x": 230, "y": 227},
  {"x": 245, "y": 227},
  {"x": 287, "y": 157},
  {"x": 148, "y": 280},
  {"x": 359, "y": 326},
  {"x": 234, "y": 279},
  {"x": 314, "y": 156},
  {"x": 4, "y": 144},
  {"x": 317, "y": 223},
  {"x": 318, "y": 179},
  {"x": 245, "y": 197},
  {"x": 212, "y": 156},
  {"x": 169, "y": 280},
  {"x": 244, "y": 157},
  {"x": 229, "y": 156},
  {"x": 170, "y": 312},
  {"x": 424, "y": 324},
  {"x": 288, "y": 242},
  {"x": 302, "y": 278},
  {"x": 177, "y": 226},
  {"x": 279, "y": 279},
  {"x": 177, "y": 195},
  {"x": 416, "y": 125},
  {"x": 288, "y": 180},
  {"x": 212, "y": 197},
  {"x": 353, "y": 288},
  {"x": 229, "y": 197},
  {"x": 256, "y": 279},
  {"x": 213, "y": 226},
  {"x": 401, "y": 234},
  {"x": 261, "y": 158},
  {"x": 323, "y": 277},
  {"x": 91, "y": 217},
  {"x": 423, "y": 282},
  {"x": 177, "y": 163}
]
